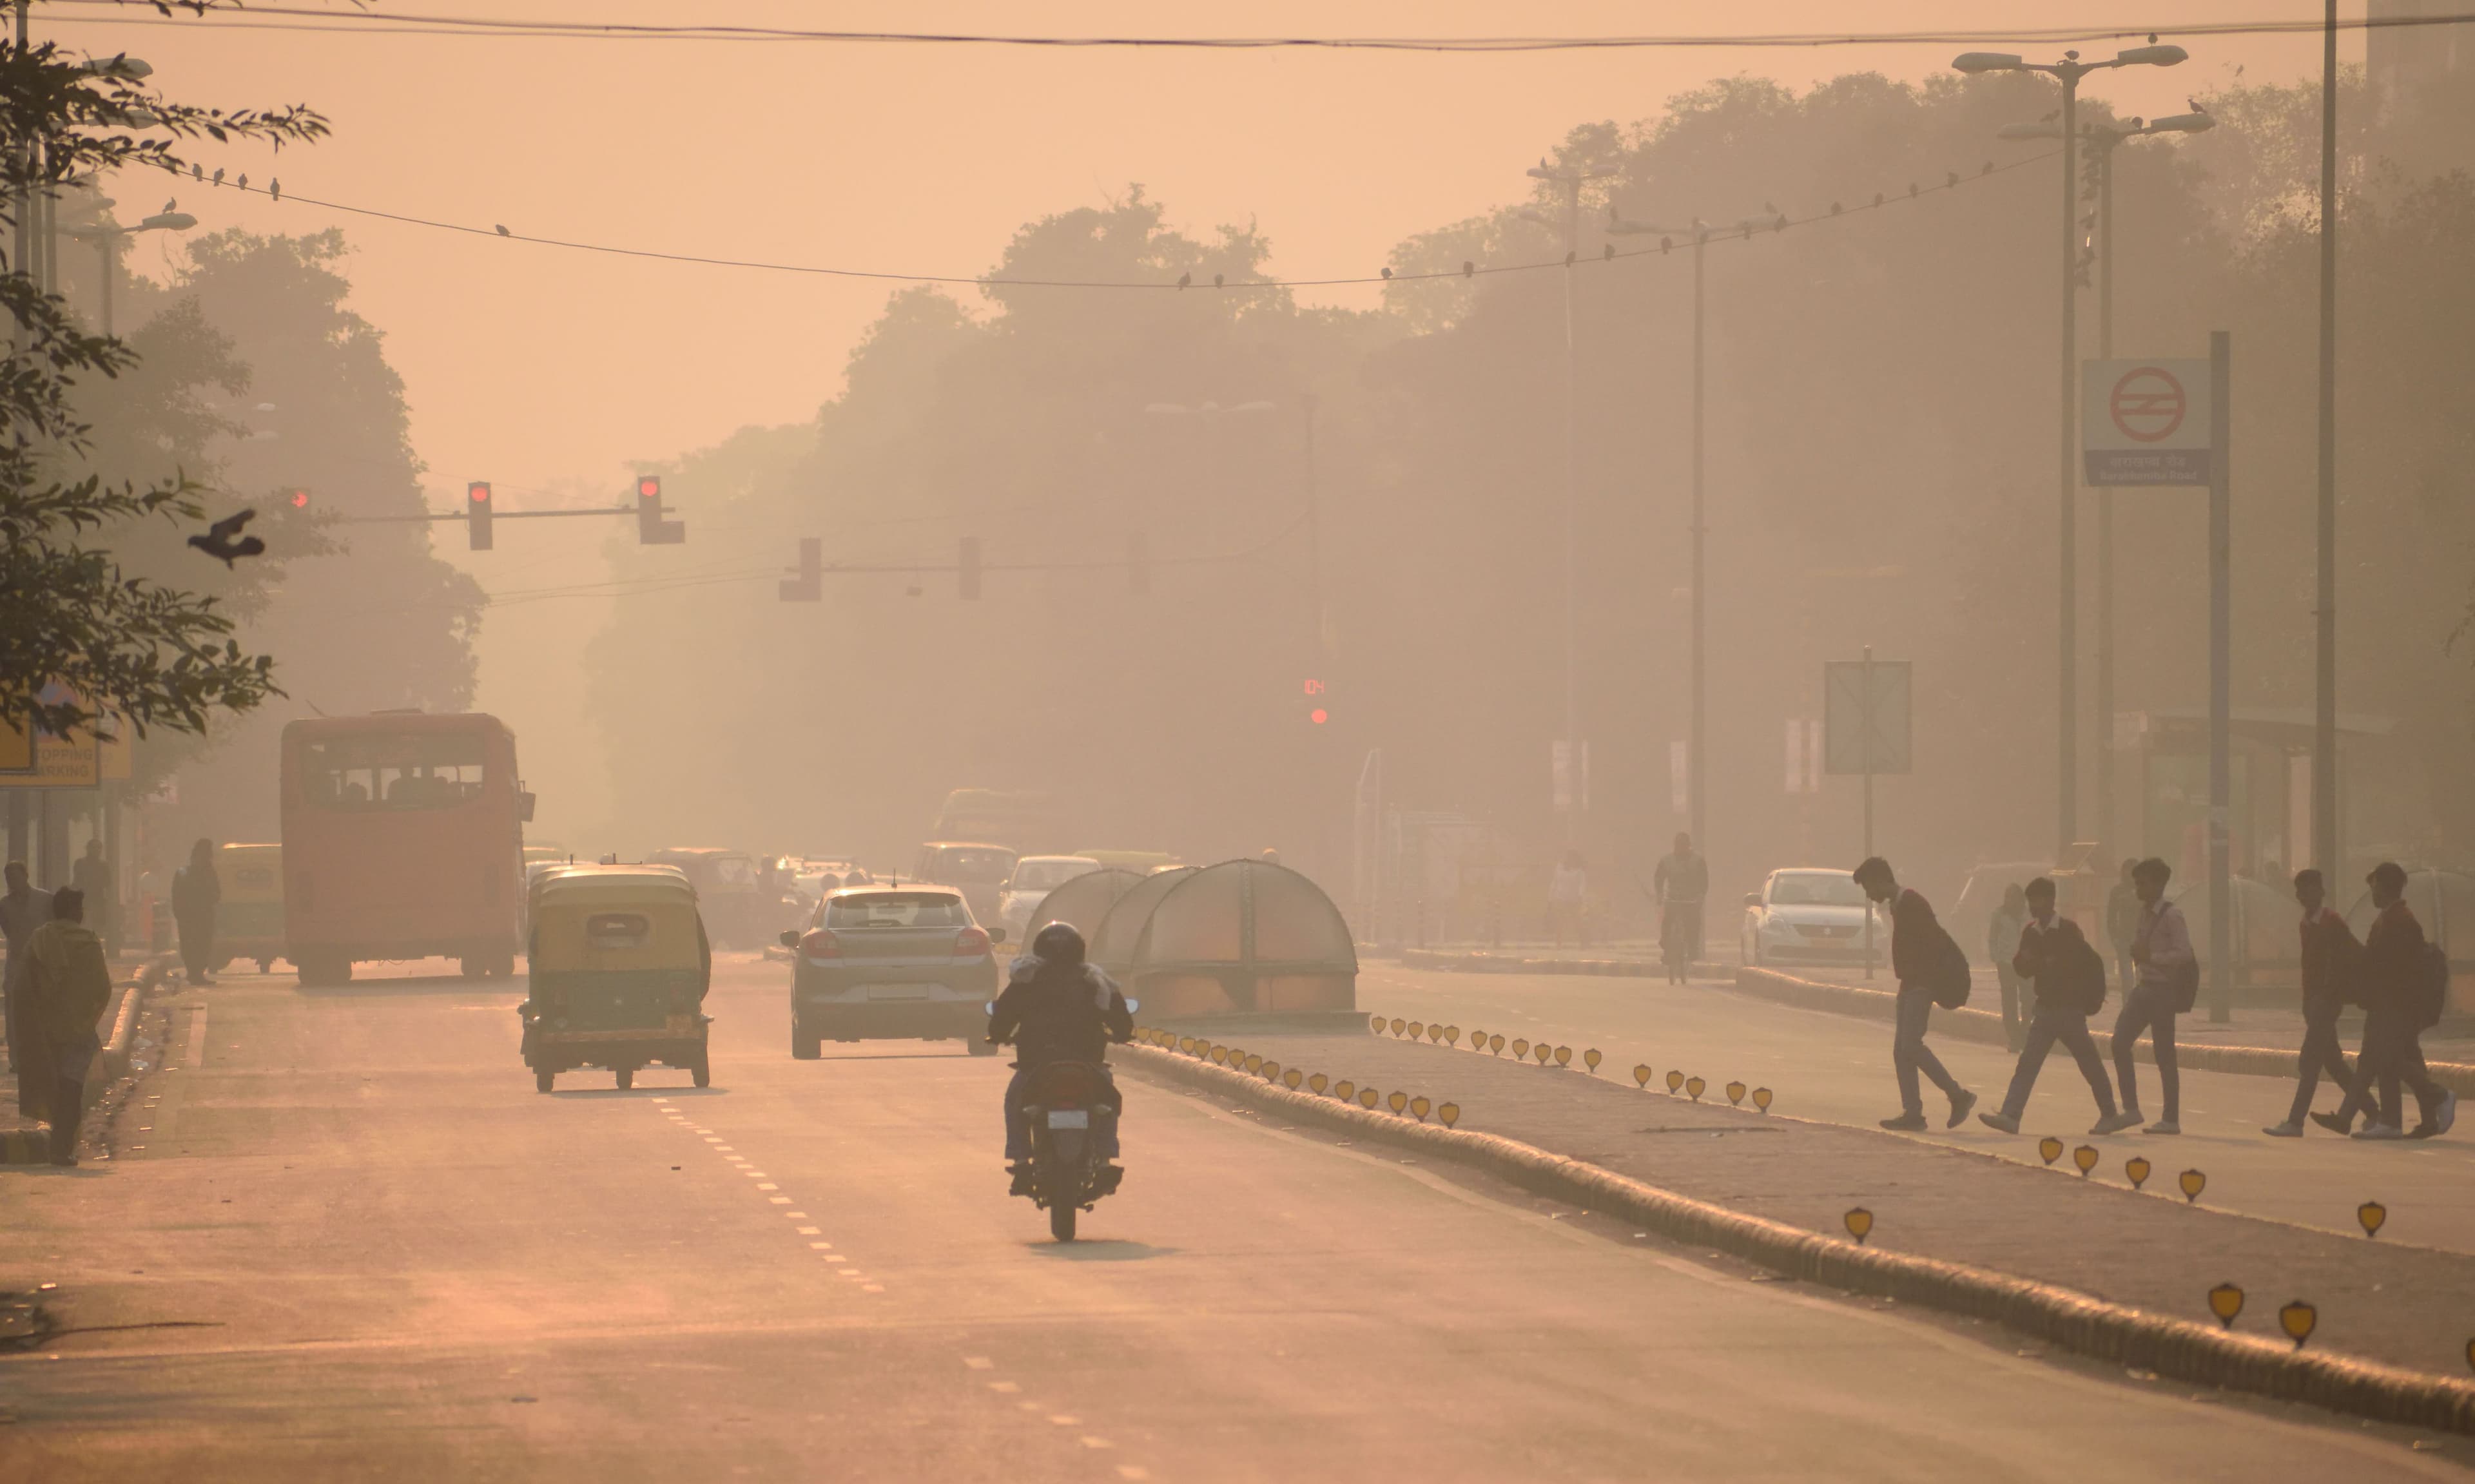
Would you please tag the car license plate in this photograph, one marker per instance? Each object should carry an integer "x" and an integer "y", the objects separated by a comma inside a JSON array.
[
  {"x": 898, "y": 992},
  {"x": 1069, "y": 1118}
]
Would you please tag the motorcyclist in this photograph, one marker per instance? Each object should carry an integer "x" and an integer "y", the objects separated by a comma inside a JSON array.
[{"x": 1057, "y": 1007}]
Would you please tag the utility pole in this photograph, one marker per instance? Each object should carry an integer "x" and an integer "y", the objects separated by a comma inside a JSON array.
[
  {"x": 1570, "y": 182},
  {"x": 2324, "y": 676}
]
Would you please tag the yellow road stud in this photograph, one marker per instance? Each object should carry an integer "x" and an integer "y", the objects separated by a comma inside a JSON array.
[
  {"x": 1367, "y": 1100},
  {"x": 1591, "y": 1059},
  {"x": 2226, "y": 1300},
  {"x": 1397, "y": 1024},
  {"x": 1735, "y": 1094},
  {"x": 2137, "y": 1169},
  {"x": 1397, "y": 1101},
  {"x": 2085, "y": 1157},
  {"x": 2193, "y": 1183},
  {"x": 1694, "y": 1086},
  {"x": 1419, "y": 1108},
  {"x": 1495, "y": 1044},
  {"x": 2298, "y": 1320},
  {"x": 1292, "y": 1077},
  {"x": 1860, "y": 1224},
  {"x": 1450, "y": 1114},
  {"x": 1346, "y": 1090},
  {"x": 1762, "y": 1099},
  {"x": 2373, "y": 1215},
  {"x": 1541, "y": 1052},
  {"x": 2049, "y": 1148},
  {"x": 1521, "y": 1048},
  {"x": 1641, "y": 1074},
  {"x": 1452, "y": 1036},
  {"x": 1253, "y": 1062},
  {"x": 1318, "y": 1081},
  {"x": 1379, "y": 1024},
  {"x": 1417, "y": 1030},
  {"x": 1675, "y": 1079}
]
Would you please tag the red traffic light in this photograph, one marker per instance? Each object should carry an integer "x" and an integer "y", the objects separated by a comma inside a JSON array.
[
  {"x": 299, "y": 499},
  {"x": 1318, "y": 715},
  {"x": 477, "y": 494},
  {"x": 649, "y": 487}
]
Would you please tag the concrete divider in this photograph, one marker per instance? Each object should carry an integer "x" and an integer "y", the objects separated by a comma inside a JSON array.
[
  {"x": 2077, "y": 1321},
  {"x": 1986, "y": 1026}
]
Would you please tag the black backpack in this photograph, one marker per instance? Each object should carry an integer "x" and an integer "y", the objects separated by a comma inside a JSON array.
[
  {"x": 1950, "y": 985},
  {"x": 2431, "y": 986}
]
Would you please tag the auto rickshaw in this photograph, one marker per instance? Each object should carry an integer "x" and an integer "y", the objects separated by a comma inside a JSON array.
[
  {"x": 249, "y": 920},
  {"x": 619, "y": 968}
]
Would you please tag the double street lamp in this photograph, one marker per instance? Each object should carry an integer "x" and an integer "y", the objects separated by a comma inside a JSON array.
[
  {"x": 108, "y": 239},
  {"x": 2069, "y": 72},
  {"x": 2102, "y": 140}
]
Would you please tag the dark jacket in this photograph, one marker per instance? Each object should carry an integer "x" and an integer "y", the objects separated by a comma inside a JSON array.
[
  {"x": 196, "y": 894},
  {"x": 2392, "y": 961},
  {"x": 1917, "y": 938},
  {"x": 1052, "y": 1014},
  {"x": 2331, "y": 959},
  {"x": 2039, "y": 959}
]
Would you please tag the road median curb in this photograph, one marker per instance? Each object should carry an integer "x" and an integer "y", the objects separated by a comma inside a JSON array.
[
  {"x": 2132, "y": 1337},
  {"x": 1986, "y": 1026}
]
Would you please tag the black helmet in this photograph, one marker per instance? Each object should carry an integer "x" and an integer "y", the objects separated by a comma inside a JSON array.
[{"x": 1060, "y": 944}]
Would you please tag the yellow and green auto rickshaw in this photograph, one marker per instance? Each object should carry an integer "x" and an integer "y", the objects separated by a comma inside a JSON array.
[
  {"x": 249, "y": 920},
  {"x": 619, "y": 968}
]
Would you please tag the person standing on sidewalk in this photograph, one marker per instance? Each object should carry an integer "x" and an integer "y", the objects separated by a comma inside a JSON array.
[
  {"x": 1922, "y": 956},
  {"x": 67, "y": 984},
  {"x": 2331, "y": 961},
  {"x": 2122, "y": 924},
  {"x": 1567, "y": 889},
  {"x": 94, "y": 876},
  {"x": 197, "y": 890},
  {"x": 2001, "y": 947},
  {"x": 2400, "y": 1001},
  {"x": 2068, "y": 976},
  {"x": 2168, "y": 984},
  {"x": 22, "y": 910},
  {"x": 1682, "y": 880}
]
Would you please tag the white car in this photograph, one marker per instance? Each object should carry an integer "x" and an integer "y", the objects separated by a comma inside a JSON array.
[
  {"x": 1808, "y": 914},
  {"x": 1034, "y": 878}
]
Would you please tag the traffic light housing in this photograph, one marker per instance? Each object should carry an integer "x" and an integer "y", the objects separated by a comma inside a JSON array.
[
  {"x": 1318, "y": 708},
  {"x": 967, "y": 566},
  {"x": 652, "y": 530},
  {"x": 477, "y": 514}
]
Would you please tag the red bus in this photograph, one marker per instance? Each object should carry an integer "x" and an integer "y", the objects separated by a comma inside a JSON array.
[{"x": 403, "y": 838}]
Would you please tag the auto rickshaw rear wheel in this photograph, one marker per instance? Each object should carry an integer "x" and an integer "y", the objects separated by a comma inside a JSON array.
[
  {"x": 703, "y": 1073},
  {"x": 266, "y": 965},
  {"x": 470, "y": 965},
  {"x": 627, "y": 1078},
  {"x": 542, "y": 1080}
]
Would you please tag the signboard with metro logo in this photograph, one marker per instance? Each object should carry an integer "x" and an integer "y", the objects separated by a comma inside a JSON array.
[{"x": 2144, "y": 422}]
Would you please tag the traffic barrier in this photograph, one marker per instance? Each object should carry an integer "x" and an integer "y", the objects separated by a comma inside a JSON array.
[{"x": 2113, "y": 1332}]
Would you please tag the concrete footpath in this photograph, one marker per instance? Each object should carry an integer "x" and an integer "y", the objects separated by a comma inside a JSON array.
[{"x": 2406, "y": 1306}]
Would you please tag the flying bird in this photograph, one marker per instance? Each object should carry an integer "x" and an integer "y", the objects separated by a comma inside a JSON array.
[
  {"x": 503, "y": 231},
  {"x": 218, "y": 542}
]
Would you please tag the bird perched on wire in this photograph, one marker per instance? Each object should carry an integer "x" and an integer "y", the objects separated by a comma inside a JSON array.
[
  {"x": 2195, "y": 105},
  {"x": 172, "y": 205},
  {"x": 219, "y": 178},
  {"x": 502, "y": 231},
  {"x": 274, "y": 190},
  {"x": 1184, "y": 279},
  {"x": 218, "y": 542}
]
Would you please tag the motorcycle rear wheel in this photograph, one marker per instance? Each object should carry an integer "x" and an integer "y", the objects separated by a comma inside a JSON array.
[{"x": 1061, "y": 1222}]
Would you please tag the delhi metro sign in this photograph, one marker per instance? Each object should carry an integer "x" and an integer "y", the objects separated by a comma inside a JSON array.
[{"x": 2144, "y": 422}]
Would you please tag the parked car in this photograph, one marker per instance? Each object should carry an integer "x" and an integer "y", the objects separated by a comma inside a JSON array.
[
  {"x": 1034, "y": 878},
  {"x": 892, "y": 962},
  {"x": 1809, "y": 915},
  {"x": 730, "y": 892}
]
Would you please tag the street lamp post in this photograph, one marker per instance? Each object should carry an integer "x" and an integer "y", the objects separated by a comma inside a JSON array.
[
  {"x": 2104, "y": 140},
  {"x": 2069, "y": 72},
  {"x": 108, "y": 240},
  {"x": 1569, "y": 181}
]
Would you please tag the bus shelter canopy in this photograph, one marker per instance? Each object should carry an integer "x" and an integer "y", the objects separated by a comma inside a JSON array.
[{"x": 1243, "y": 937}]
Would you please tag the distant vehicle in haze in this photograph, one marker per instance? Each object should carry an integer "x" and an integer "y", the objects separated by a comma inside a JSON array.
[
  {"x": 892, "y": 962},
  {"x": 1026, "y": 822},
  {"x": 1142, "y": 862},
  {"x": 1034, "y": 878},
  {"x": 1970, "y": 913},
  {"x": 249, "y": 920},
  {"x": 403, "y": 838},
  {"x": 1809, "y": 915},
  {"x": 729, "y": 892},
  {"x": 977, "y": 870}
]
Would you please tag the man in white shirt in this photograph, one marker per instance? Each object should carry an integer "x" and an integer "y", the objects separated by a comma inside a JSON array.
[{"x": 2170, "y": 981}]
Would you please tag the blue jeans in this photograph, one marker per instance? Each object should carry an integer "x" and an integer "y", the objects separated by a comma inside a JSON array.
[
  {"x": 1104, "y": 1123},
  {"x": 1910, "y": 1054},
  {"x": 2046, "y": 1028},
  {"x": 2150, "y": 1008}
]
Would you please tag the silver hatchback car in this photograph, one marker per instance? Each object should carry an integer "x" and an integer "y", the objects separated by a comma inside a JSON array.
[{"x": 891, "y": 963}]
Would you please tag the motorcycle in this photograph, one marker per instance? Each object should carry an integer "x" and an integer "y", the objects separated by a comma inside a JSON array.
[{"x": 1061, "y": 1101}]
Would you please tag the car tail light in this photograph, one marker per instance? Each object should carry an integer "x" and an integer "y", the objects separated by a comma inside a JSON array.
[
  {"x": 820, "y": 943},
  {"x": 971, "y": 944}
]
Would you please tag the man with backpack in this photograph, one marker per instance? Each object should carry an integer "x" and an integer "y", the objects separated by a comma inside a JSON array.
[
  {"x": 2331, "y": 961},
  {"x": 2069, "y": 978},
  {"x": 2405, "y": 982},
  {"x": 1931, "y": 970},
  {"x": 2170, "y": 984},
  {"x": 67, "y": 984}
]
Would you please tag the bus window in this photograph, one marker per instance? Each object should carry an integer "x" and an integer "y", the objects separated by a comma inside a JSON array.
[{"x": 379, "y": 773}]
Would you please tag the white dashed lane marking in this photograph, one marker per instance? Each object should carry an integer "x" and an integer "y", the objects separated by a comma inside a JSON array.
[{"x": 1087, "y": 1440}]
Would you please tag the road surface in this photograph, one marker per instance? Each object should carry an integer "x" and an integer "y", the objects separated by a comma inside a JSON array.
[{"x": 352, "y": 1241}]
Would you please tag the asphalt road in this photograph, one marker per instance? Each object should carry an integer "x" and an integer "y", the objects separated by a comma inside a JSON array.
[
  {"x": 350, "y": 1241},
  {"x": 1837, "y": 1068}
]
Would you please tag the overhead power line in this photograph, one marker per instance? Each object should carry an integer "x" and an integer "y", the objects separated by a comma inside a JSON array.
[
  {"x": 377, "y": 23},
  {"x": 1738, "y": 232}
]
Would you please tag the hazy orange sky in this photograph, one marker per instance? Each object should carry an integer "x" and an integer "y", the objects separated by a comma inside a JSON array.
[{"x": 530, "y": 365}]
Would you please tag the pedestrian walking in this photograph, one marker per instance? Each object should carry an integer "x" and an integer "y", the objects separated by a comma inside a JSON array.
[
  {"x": 2168, "y": 983},
  {"x": 197, "y": 890},
  {"x": 2001, "y": 947},
  {"x": 1567, "y": 889},
  {"x": 2403, "y": 989},
  {"x": 2122, "y": 924},
  {"x": 1683, "y": 881},
  {"x": 2331, "y": 959},
  {"x": 1931, "y": 970},
  {"x": 92, "y": 874},
  {"x": 2067, "y": 976},
  {"x": 68, "y": 982},
  {"x": 22, "y": 910}
]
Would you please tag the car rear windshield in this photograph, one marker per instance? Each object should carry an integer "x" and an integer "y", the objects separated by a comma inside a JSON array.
[
  {"x": 1816, "y": 889},
  {"x": 896, "y": 909},
  {"x": 1043, "y": 875},
  {"x": 973, "y": 866}
]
